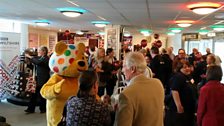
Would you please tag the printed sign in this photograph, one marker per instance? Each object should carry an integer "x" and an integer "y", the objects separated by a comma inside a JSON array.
[{"x": 9, "y": 51}]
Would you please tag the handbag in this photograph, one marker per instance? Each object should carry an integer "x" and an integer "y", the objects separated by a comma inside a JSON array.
[{"x": 63, "y": 119}]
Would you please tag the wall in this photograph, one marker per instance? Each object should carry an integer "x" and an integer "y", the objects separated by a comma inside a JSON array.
[
  {"x": 175, "y": 41},
  {"x": 137, "y": 38},
  {"x": 168, "y": 41},
  {"x": 44, "y": 33}
]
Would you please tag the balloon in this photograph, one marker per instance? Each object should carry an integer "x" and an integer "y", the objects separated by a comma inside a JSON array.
[
  {"x": 156, "y": 36},
  {"x": 157, "y": 43}
]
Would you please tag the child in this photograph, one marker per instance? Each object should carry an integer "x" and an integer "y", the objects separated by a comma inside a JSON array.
[{"x": 107, "y": 101}]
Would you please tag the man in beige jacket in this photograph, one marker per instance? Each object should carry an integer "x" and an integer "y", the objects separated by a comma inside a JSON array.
[{"x": 141, "y": 103}]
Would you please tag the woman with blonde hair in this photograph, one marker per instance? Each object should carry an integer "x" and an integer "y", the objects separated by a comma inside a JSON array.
[
  {"x": 210, "y": 60},
  {"x": 98, "y": 60}
]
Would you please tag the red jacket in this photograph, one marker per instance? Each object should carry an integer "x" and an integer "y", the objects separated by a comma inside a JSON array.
[{"x": 211, "y": 104}]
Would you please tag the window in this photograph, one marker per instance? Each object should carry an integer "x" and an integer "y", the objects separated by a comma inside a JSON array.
[
  {"x": 10, "y": 26},
  {"x": 200, "y": 45}
]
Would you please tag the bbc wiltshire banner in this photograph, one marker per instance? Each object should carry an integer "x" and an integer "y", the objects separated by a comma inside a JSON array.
[{"x": 9, "y": 59}]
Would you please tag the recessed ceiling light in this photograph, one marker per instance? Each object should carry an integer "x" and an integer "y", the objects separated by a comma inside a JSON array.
[
  {"x": 79, "y": 32},
  {"x": 203, "y": 32},
  {"x": 184, "y": 23},
  {"x": 101, "y": 33},
  {"x": 203, "y": 8},
  {"x": 71, "y": 11},
  {"x": 170, "y": 33},
  {"x": 175, "y": 30},
  {"x": 127, "y": 34},
  {"x": 42, "y": 22},
  {"x": 145, "y": 32},
  {"x": 218, "y": 27},
  {"x": 100, "y": 24}
]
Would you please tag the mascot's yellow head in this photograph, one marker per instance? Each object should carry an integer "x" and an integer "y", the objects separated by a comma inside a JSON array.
[{"x": 68, "y": 60}]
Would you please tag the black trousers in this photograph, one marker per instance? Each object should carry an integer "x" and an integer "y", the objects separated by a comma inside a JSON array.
[
  {"x": 101, "y": 90},
  {"x": 110, "y": 87},
  {"x": 37, "y": 99},
  {"x": 109, "y": 90},
  {"x": 179, "y": 119}
]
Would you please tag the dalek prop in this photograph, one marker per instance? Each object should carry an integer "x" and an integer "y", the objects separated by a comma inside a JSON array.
[
  {"x": 24, "y": 80},
  {"x": 26, "y": 74}
]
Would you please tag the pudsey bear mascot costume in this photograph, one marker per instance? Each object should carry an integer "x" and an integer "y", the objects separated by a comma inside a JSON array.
[{"x": 66, "y": 62}]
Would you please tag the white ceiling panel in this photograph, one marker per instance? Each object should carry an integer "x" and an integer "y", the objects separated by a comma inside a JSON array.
[
  {"x": 136, "y": 14},
  {"x": 168, "y": 1}
]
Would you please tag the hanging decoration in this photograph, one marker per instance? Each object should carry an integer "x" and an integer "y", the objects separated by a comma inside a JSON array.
[{"x": 157, "y": 42}]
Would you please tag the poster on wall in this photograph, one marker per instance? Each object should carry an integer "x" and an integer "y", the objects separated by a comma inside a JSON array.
[
  {"x": 52, "y": 41},
  {"x": 9, "y": 51},
  {"x": 111, "y": 38},
  {"x": 33, "y": 40},
  {"x": 67, "y": 38},
  {"x": 84, "y": 40},
  {"x": 43, "y": 40}
]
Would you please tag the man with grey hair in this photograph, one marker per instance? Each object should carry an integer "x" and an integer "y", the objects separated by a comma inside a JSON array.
[{"x": 141, "y": 103}]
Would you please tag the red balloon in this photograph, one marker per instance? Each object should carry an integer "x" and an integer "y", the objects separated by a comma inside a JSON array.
[
  {"x": 157, "y": 43},
  {"x": 156, "y": 36}
]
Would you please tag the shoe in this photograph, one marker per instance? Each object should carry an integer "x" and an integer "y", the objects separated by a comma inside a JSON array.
[{"x": 28, "y": 111}]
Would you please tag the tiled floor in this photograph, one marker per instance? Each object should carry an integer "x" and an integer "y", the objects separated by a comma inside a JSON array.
[{"x": 16, "y": 116}]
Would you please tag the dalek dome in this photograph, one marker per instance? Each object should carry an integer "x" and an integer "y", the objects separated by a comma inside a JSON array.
[{"x": 30, "y": 51}]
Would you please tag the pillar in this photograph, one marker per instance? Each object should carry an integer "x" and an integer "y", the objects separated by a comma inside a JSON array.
[
  {"x": 24, "y": 41},
  {"x": 112, "y": 38}
]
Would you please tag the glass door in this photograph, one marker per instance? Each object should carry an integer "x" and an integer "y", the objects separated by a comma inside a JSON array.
[
  {"x": 219, "y": 46},
  {"x": 200, "y": 45}
]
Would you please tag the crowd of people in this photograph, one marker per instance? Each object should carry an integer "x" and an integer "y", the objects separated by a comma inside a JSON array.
[{"x": 178, "y": 90}]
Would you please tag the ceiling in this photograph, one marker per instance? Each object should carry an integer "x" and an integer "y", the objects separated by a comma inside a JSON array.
[{"x": 157, "y": 15}]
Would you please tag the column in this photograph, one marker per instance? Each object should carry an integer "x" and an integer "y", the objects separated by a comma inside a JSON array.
[
  {"x": 112, "y": 38},
  {"x": 24, "y": 37},
  {"x": 175, "y": 41}
]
